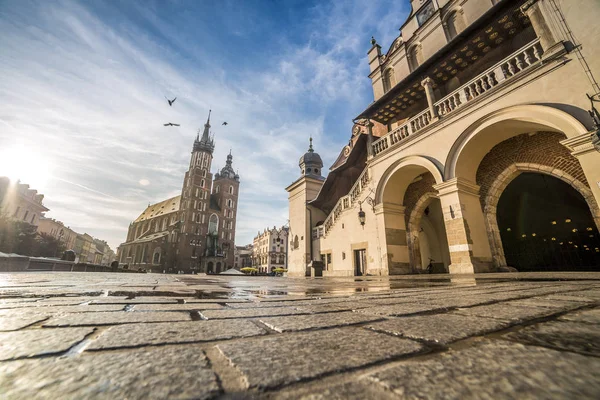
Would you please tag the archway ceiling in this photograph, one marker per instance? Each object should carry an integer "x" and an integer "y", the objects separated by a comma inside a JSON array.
[
  {"x": 475, "y": 149},
  {"x": 466, "y": 51},
  {"x": 395, "y": 187}
]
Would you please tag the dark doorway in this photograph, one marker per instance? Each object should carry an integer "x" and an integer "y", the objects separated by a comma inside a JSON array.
[
  {"x": 209, "y": 267},
  {"x": 218, "y": 267},
  {"x": 546, "y": 225},
  {"x": 360, "y": 262}
]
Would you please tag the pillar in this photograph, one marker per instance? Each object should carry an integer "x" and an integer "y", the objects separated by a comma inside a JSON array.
[
  {"x": 392, "y": 227},
  {"x": 465, "y": 228},
  {"x": 427, "y": 84},
  {"x": 540, "y": 13},
  {"x": 582, "y": 148},
  {"x": 369, "y": 125}
]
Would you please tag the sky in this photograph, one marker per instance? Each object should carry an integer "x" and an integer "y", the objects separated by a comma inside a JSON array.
[{"x": 83, "y": 88}]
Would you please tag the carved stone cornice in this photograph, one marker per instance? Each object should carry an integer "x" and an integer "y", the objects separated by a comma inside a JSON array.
[{"x": 579, "y": 145}]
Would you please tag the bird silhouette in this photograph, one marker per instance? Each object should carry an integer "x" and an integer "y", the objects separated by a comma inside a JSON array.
[
  {"x": 224, "y": 123},
  {"x": 171, "y": 124},
  {"x": 171, "y": 101}
]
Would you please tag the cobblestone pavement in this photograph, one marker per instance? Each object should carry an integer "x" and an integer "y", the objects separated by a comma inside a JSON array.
[{"x": 88, "y": 335}]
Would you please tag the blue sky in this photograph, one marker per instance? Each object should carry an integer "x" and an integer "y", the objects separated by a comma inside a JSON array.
[{"x": 82, "y": 85}]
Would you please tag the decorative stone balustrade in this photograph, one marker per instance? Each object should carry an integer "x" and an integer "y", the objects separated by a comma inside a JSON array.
[
  {"x": 345, "y": 202},
  {"x": 488, "y": 80}
]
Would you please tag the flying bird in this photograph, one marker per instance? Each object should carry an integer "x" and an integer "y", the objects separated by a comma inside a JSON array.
[
  {"x": 171, "y": 124},
  {"x": 171, "y": 101},
  {"x": 224, "y": 123}
]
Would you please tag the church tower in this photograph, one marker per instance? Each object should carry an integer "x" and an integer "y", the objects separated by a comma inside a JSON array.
[
  {"x": 195, "y": 201},
  {"x": 303, "y": 216}
]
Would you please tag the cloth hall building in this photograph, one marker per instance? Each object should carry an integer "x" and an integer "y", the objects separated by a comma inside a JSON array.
[
  {"x": 476, "y": 155},
  {"x": 194, "y": 231}
]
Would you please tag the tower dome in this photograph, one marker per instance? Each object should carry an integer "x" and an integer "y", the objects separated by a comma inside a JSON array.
[{"x": 310, "y": 163}]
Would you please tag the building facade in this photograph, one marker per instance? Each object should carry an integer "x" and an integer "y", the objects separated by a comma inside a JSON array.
[
  {"x": 19, "y": 202},
  {"x": 476, "y": 154},
  {"x": 192, "y": 232},
  {"x": 242, "y": 256},
  {"x": 269, "y": 249},
  {"x": 59, "y": 231}
]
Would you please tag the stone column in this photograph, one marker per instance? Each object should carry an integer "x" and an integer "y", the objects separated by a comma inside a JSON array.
[
  {"x": 427, "y": 84},
  {"x": 465, "y": 228},
  {"x": 392, "y": 231},
  {"x": 370, "y": 152},
  {"x": 582, "y": 148},
  {"x": 545, "y": 25}
]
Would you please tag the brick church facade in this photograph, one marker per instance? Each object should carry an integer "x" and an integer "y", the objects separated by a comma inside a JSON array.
[{"x": 192, "y": 232}]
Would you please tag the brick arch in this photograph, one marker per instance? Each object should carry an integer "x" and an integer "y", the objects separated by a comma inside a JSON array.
[
  {"x": 412, "y": 228},
  {"x": 490, "y": 201}
]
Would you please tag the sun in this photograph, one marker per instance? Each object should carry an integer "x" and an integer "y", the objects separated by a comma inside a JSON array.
[{"x": 27, "y": 165}]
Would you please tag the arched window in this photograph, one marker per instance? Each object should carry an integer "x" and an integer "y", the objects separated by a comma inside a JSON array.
[
  {"x": 202, "y": 183},
  {"x": 415, "y": 57},
  {"x": 218, "y": 189},
  {"x": 454, "y": 24},
  {"x": 230, "y": 189},
  {"x": 229, "y": 203},
  {"x": 213, "y": 224},
  {"x": 389, "y": 81}
]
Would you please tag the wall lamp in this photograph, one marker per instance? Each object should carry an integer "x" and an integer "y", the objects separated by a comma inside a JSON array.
[{"x": 361, "y": 214}]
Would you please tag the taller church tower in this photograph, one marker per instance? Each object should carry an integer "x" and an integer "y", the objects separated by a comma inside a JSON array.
[{"x": 195, "y": 201}]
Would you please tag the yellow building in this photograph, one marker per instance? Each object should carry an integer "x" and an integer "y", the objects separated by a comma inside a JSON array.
[
  {"x": 269, "y": 249},
  {"x": 476, "y": 154},
  {"x": 59, "y": 231}
]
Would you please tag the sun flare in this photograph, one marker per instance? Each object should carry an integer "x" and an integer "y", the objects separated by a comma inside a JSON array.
[{"x": 27, "y": 165}]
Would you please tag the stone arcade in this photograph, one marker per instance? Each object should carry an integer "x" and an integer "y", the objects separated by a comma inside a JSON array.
[{"x": 475, "y": 155}]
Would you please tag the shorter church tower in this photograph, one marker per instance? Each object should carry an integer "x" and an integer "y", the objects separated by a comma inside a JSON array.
[{"x": 302, "y": 215}]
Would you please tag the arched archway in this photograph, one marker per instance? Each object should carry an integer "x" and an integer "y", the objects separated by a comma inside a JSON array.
[
  {"x": 508, "y": 176},
  {"x": 414, "y": 175},
  {"x": 479, "y": 138},
  {"x": 209, "y": 267},
  {"x": 426, "y": 235}
]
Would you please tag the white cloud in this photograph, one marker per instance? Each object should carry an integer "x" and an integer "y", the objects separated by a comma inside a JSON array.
[{"x": 90, "y": 96}]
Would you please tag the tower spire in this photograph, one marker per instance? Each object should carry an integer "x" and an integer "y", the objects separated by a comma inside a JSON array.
[
  {"x": 206, "y": 142},
  {"x": 310, "y": 148}
]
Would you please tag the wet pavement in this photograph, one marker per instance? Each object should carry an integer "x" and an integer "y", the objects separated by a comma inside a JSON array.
[{"x": 105, "y": 335}]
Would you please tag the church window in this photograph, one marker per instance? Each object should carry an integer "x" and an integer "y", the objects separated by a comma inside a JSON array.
[
  {"x": 213, "y": 224},
  {"x": 195, "y": 204},
  {"x": 217, "y": 189},
  {"x": 197, "y": 192},
  {"x": 204, "y": 173},
  {"x": 230, "y": 189},
  {"x": 229, "y": 235},
  {"x": 229, "y": 203},
  {"x": 193, "y": 217},
  {"x": 204, "y": 207},
  {"x": 203, "y": 218},
  {"x": 202, "y": 183}
]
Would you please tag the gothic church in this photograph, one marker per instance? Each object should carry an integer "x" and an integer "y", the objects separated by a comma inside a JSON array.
[{"x": 192, "y": 232}]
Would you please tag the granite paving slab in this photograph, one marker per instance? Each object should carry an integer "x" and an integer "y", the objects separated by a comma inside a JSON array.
[
  {"x": 570, "y": 336},
  {"x": 554, "y": 304},
  {"x": 174, "y": 372},
  {"x": 315, "y": 321},
  {"x": 440, "y": 328},
  {"x": 36, "y": 342},
  {"x": 52, "y": 309},
  {"x": 588, "y": 316},
  {"x": 401, "y": 309},
  {"x": 494, "y": 370},
  {"x": 250, "y": 312},
  {"x": 507, "y": 312},
  {"x": 15, "y": 322},
  {"x": 114, "y": 318},
  {"x": 178, "y": 307},
  {"x": 132, "y": 335},
  {"x": 276, "y": 360}
]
